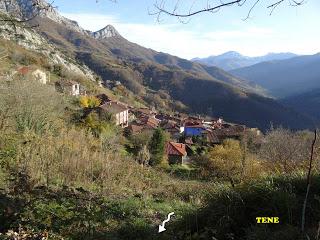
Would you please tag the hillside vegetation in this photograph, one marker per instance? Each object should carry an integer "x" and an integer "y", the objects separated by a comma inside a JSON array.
[
  {"x": 79, "y": 180},
  {"x": 186, "y": 85}
]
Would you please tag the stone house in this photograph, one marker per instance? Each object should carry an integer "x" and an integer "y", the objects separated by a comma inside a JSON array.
[
  {"x": 32, "y": 73},
  {"x": 119, "y": 111},
  {"x": 176, "y": 153}
]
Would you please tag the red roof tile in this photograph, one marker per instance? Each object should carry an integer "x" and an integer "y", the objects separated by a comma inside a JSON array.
[
  {"x": 24, "y": 70},
  {"x": 173, "y": 148}
]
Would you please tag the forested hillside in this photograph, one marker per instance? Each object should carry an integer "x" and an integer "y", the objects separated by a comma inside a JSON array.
[
  {"x": 307, "y": 103},
  {"x": 284, "y": 78}
]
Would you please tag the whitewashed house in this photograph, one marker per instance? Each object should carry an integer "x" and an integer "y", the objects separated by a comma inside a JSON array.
[
  {"x": 40, "y": 76},
  {"x": 119, "y": 111}
]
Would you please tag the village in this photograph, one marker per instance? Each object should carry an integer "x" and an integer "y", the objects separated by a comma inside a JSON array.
[{"x": 185, "y": 131}]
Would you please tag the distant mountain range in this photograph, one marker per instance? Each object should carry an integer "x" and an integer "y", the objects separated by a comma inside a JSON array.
[
  {"x": 284, "y": 78},
  {"x": 295, "y": 82},
  {"x": 232, "y": 60},
  {"x": 161, "y": 79}
]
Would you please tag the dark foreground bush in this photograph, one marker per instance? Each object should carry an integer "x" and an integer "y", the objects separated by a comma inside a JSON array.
[
  {"x": 231, "y": 213},
  {"x": 228, "y": 213}
]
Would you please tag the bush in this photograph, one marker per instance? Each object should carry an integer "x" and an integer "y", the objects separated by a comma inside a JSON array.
[
  {"x": 231, "y": 213},
  {"x": 89, "y": 102},
  {"x": 284, "y": 151},
  {"x": 228, "y": 162}
]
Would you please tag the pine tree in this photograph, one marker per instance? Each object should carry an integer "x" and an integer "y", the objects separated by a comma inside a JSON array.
[{"x": 157, "y": 147}]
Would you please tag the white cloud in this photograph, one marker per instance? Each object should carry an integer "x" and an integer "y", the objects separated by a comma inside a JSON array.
[{"x": 170, "y": 38}]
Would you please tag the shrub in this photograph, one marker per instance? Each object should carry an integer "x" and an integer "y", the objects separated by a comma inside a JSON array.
[
  {"x": 228, "y": 162},
  {"x": 285, "y": 151},
  {"x": 89, "y": 102}
]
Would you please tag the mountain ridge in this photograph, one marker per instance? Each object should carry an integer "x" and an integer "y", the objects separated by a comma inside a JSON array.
[
  {"x": 106, "y": 32},
  {"x": 301, "y": 73},
  {"x": 233, "y": 60}
]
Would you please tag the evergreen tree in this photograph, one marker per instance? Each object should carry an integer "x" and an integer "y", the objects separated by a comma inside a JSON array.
[{"x": 157, "y": 147}]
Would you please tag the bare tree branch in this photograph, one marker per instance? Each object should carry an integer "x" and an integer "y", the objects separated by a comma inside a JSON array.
[
  {"x": 14, "y": 18},
  {"x": 161, "y": 8},
  {"x": 253, "y": 6},
  {"x": 308, "y": 183}
]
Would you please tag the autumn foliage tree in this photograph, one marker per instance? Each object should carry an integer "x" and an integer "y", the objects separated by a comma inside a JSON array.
[
  {"x": 228, "y": 162},
  {"x": 89, "y": 101}
]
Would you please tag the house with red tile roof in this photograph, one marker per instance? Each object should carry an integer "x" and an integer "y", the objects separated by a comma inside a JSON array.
[
  {"x": 144, "y": 112},
  {"x": 176, "y": 153},
  {"x": 173, "y": 128}
]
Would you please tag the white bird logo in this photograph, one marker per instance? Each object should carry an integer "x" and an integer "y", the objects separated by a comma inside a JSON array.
[{"x": 161, "y": 227}]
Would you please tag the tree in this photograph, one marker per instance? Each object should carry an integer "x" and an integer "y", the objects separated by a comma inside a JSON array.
[
  {"x": 284, "y": 151},
  {"x": 226, "y": 162},
  {"x": 173, "y": 8},
  {"x": 143, "y": 156},
  {"x": 139, "y": 140},
  {"x": 157, "y": 146}
]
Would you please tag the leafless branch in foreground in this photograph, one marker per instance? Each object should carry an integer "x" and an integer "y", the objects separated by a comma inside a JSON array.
[
  {"x": 308, "y": 183},
  {"x": 161, "y": 7},
  {"x": 13, "y": 17}
]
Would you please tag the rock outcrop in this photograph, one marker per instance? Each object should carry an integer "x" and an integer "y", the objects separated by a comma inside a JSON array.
[{"x": 106, "y": 32}]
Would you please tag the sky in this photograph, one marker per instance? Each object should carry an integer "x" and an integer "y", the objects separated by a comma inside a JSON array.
[{"x": 288, "y": 29}]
